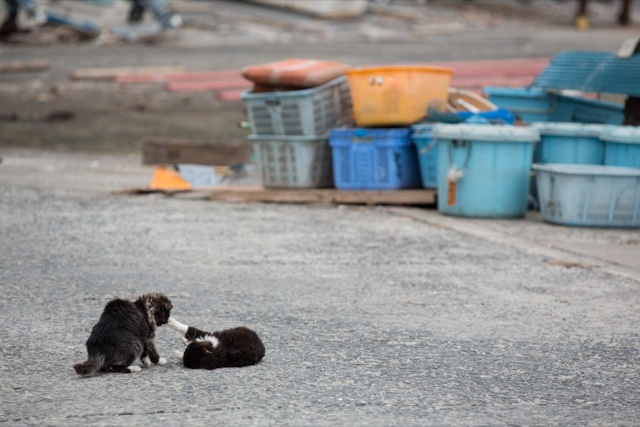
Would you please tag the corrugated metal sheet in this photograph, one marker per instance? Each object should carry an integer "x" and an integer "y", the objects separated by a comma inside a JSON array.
[{"x": 592, "y": 72}]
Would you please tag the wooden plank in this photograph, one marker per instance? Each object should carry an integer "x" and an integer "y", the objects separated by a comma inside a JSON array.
[
  {"x": 19, "y": 66},
  {"x": 325, "y": 195},
  {"x": 170, "y": 152},
  {"x": 111, "y": 73}
]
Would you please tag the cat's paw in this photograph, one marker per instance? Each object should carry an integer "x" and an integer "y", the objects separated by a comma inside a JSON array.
[
  {"x": 162, "y": 361},
  {"x": 146, "y": 361},
  {"x": 178, "y": 354},
  {"x": 185, "y": 341},
  {"x": 134, "y": 368}
]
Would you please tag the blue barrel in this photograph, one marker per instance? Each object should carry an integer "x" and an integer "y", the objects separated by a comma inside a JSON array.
[
  {"x": 621, "y": 146},
  {"x": 574, "y": 143},
  {"x": 483, "y": 170}
]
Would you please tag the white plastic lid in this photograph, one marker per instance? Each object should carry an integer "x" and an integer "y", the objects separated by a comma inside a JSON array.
[
  {"x": 492, "y": 133},
  {"x": 569, "y": 129},
  {"x": 624, "y": 134},
  {"x": 580, "y": 169}
]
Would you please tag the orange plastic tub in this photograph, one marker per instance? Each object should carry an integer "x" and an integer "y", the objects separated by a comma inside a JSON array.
[{"x": 396, "y": 95}]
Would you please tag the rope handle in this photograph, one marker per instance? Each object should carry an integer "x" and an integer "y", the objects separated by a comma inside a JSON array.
[{"x": 455, "y": 173}]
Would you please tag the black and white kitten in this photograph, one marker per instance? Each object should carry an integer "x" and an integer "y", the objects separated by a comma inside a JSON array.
[
  {"x": 125, "y": 333},
  {"x": 230, "y": 348}
]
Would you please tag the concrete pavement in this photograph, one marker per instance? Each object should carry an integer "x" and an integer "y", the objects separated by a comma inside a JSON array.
[{"x": 370, "y": 316}]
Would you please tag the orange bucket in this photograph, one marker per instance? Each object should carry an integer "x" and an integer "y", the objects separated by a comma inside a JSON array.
[{"x": 396, "y": 95}]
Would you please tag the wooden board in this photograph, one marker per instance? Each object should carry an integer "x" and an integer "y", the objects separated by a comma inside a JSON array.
[
  {"x": 421, "y": 197},
  {"x": 320, "y": 195},
  {"x": 173, "y": 152}
]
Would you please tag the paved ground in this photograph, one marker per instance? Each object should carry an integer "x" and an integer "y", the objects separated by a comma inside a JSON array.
[{"x": 370, "y": 316}]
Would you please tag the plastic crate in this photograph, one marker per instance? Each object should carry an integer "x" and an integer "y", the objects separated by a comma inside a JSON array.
[
  {"x": 426, "y": 146},
  {"x": 589, "y": 195},
  {"x": 396, "y": 95},
  {"x": 534, "y": 104},
  {"x": 527, "y": 104},
  {"x": 374, "y": 159},
  {"x": 293, "y": 162},
  {"x": 308, "y": 112},
  {"x": 621, "y": 146},
  {"x": 582, "y": 110}
]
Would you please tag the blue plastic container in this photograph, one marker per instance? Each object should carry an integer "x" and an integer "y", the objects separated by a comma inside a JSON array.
[
  {"x": 589, "y": 195},
  {"x": 583, "y": 110},
  {"x": 622, "y": 146},
  {"x": 569, "y": 143},
  {"x": 530, "y": 104},
  {"x": 374, "y": 159},
  {"x": 483, "y": 170},
  {"x": 534, "y": 104},
  {"x": 422, "y": 136}
]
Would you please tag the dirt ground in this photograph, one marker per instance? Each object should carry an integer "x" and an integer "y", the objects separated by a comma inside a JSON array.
[{"x": 47, "y": 109}]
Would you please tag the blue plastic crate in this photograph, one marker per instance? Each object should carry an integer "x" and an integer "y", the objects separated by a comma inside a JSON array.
[
  {"x": 534, "y": 104},
  {"x": 374, "y": 159},
  {"x": 589, "y": 195},
  {"x": 529, "y": 104},
  {"x": 583, "y": 110},
  {"x": 426, "y": 146}
]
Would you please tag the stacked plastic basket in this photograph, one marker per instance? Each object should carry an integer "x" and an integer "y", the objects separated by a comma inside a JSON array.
[
  {"x": 380, "y": 155},
  {"x": 289, "y": 133},
  {"x": 589, "y": 175}
]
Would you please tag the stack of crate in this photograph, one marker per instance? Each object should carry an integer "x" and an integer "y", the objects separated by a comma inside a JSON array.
[
  {"x": 379, "y": 154},
  {"x": 289, "y": 133}
]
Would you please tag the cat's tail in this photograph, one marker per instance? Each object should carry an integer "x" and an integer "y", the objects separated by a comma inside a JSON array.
[{"x": 89, "y": 367}]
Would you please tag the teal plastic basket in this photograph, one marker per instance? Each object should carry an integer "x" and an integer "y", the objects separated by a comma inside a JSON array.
[
  {"x": 622, "y": 146},
  {"x": 569, "y": 143},
  {"x": 589, "y": 195},
  {"x": 426, "y": 146}
]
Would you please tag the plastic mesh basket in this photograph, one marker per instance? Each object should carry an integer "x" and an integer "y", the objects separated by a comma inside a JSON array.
[
  {"x": 307, "y": 112},
  {"x": 293, "y": 162},
  {"x": 589, "y": 195},
  {"x": 374, "y": 159}
]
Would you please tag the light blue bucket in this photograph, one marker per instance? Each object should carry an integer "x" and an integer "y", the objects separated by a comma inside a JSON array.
[
  {"x": 574, "y": 143},
  {"x": 621, "y": 146},
  {"x": 483, "y": 170}
]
